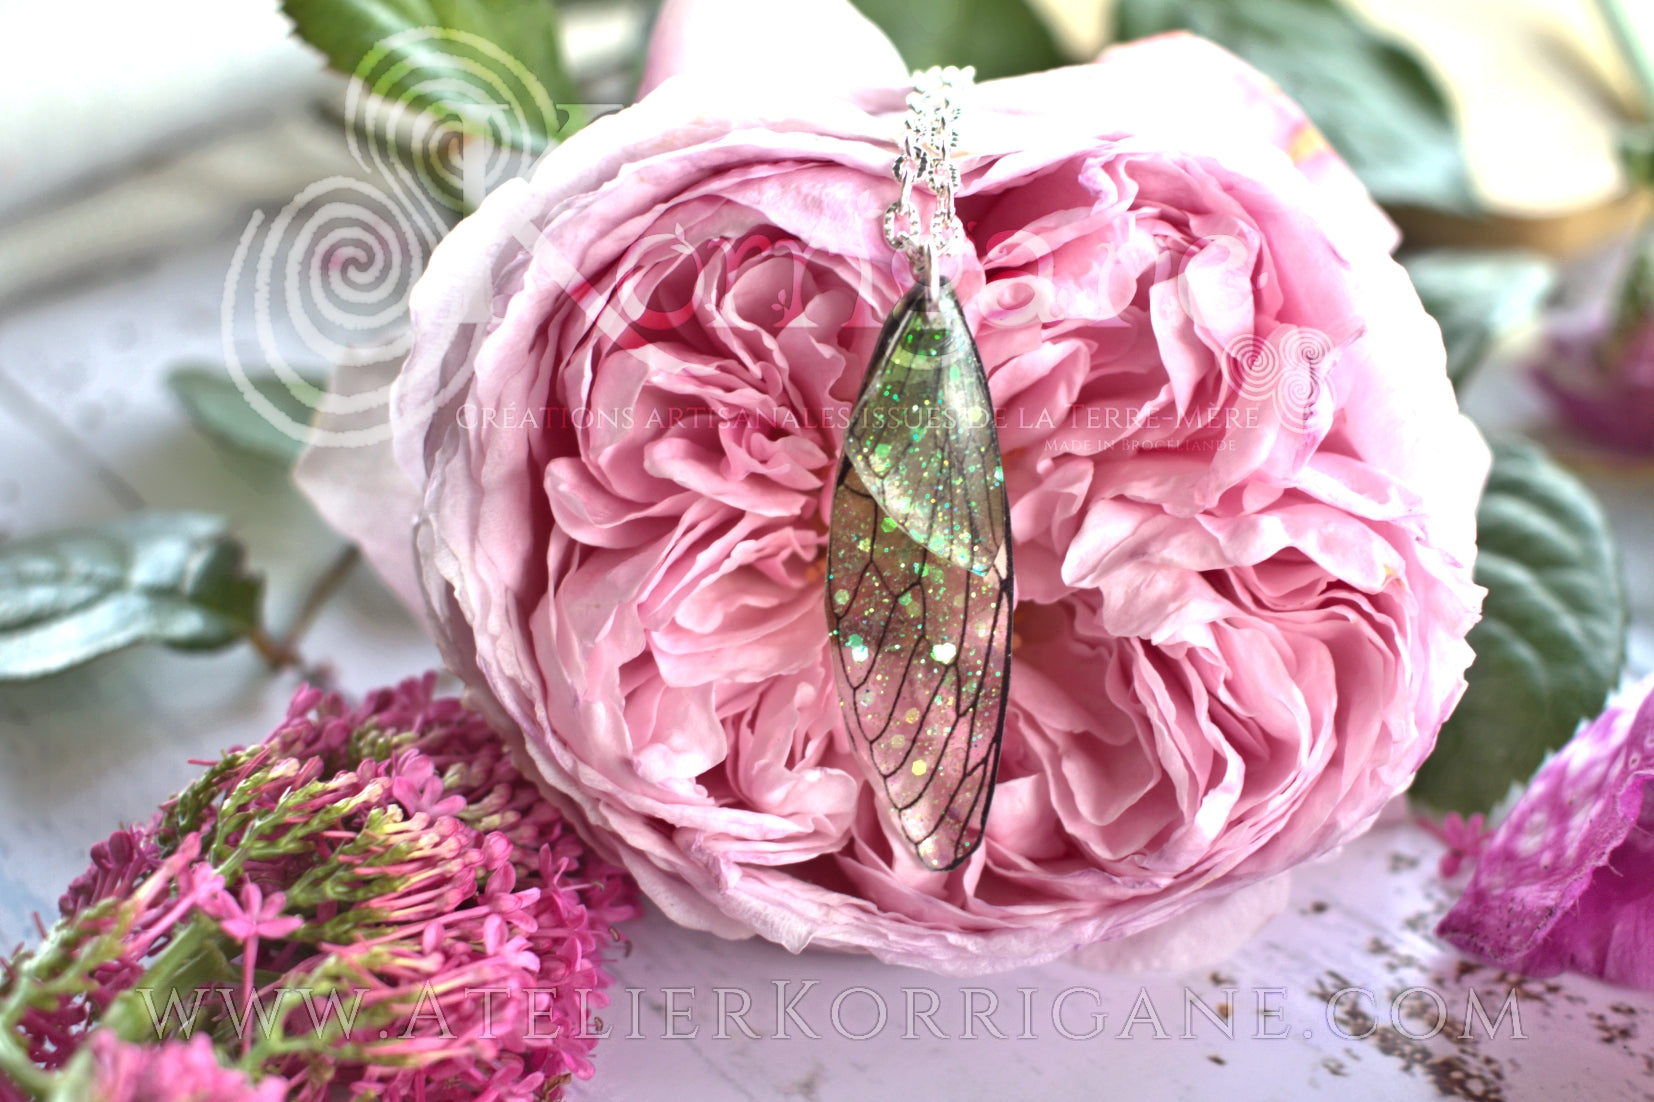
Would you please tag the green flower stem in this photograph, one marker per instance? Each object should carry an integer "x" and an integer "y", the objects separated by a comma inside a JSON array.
[
  {"x": 24, "y": 973},
  {"x": 1635, "y": 306},
  {"x": 192, "y": 959},
  {"x": 14, "y": 1060},
  {"x": 16, "y": 1065}
]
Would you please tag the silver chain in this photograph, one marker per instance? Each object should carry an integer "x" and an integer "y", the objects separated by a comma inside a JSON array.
[{"x": 928, "y": 140}]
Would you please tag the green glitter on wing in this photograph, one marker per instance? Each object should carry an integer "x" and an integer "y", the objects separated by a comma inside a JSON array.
[{"x": 922, "y": 437}]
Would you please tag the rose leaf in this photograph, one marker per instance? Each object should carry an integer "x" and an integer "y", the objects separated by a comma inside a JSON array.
[
  {"x": 223, "y": 411},
  {"x": 1476, "y": 297},
  {"x": 462, "y": 61},
  {"x": 1377, "y": 106},
  {"x": 1000, "y": 37},
  {"x": 168, "y": 577},
  {"x": 1552, "y": 636}
]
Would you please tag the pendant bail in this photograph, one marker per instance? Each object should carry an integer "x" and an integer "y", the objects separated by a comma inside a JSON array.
[{"x": 928, "y": 141}]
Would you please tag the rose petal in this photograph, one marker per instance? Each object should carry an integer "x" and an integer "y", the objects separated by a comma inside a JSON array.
[
  {"x": 357, "y": 486},
  {"x": 1566, "y": 882}
]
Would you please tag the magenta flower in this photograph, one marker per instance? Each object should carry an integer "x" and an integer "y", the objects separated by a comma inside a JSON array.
[
  {"x": 417, "y": 788},
  {"x": 1566, "y": 882},
  {"x": 373, "y": 900},
  {"x": 117, "y": 866},
  {"x": 254, "y": 917}
]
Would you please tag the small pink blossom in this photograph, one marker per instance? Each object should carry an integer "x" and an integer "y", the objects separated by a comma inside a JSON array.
[
  {"x": 418, "y": 789},
  {"x": 253, "y": 917},
  {"x": 1464, "y": 838}
]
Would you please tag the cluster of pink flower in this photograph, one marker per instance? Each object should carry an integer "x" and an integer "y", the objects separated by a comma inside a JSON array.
[{"x": 374, "y": 898}]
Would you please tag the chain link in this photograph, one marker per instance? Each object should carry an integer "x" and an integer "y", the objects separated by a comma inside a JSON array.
[{"x": 928, "y": 141}]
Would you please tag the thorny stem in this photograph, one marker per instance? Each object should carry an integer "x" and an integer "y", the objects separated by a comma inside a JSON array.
[
  {"x": 276, "y": 654},
  {"x": 326, "y": 585},
  {"x": 282, "y": 652},
  {"x": 15, "y": 1064}
]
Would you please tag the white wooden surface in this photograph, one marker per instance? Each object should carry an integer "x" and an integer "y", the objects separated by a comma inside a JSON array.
[{"x": 82, "y": 407}]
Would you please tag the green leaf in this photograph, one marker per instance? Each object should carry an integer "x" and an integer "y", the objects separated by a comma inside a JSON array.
[
  {"x": 1000, "y": 37},
  {"x": 1476, "y": 297},
  {"x": 1636, "y": 150},
  {"x": 1552, "y": 636},
  {"x": 173, "y": 578},
  {"x": 1372, "y": 100},
  {"x": 220, "y": 409},
  {"x": 503, "y": 52}
]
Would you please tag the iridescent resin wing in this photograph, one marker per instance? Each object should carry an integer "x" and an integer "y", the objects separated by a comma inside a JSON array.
[{"x": 919, "y": 578}]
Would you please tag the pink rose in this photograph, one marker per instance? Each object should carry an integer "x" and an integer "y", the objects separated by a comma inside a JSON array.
[
  {"x": 1564, "y": 883},
  {"x": 1242, "y": 493}
]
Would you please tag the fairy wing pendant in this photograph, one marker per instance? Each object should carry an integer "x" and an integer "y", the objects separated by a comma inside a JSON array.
[{"x": 919, "y": 577}]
